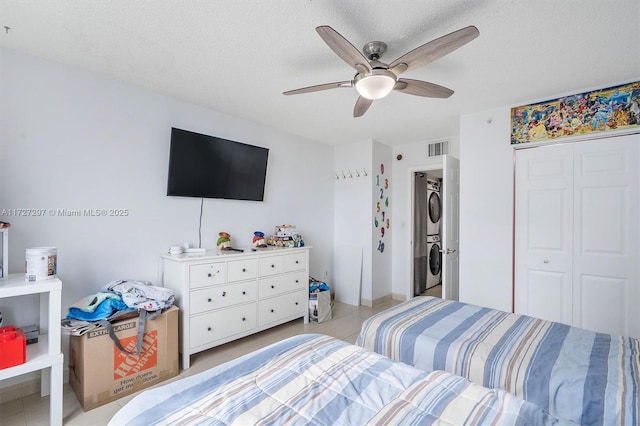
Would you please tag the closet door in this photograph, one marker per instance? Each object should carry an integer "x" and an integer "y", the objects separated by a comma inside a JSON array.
[
  {"x": 605, "y": 268},
  {"x": 544, "y": 232},
  {"x": 577, "y": 227}
]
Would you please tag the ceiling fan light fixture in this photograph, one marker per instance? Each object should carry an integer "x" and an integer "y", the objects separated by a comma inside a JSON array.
[{"x": 375, "y": 85}]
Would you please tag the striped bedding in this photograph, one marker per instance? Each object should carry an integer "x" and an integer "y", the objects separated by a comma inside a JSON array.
[
  {"x": 318, "y": 380},
  {"x": 587, "y": 377}
]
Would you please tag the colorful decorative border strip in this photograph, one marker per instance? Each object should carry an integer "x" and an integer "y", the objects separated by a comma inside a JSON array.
[{"x": 613, "y": 108}]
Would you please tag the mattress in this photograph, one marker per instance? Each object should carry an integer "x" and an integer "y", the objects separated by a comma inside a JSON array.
[
  {"x": 318, "y": 380},
  {"x": 587, "y": 377}
]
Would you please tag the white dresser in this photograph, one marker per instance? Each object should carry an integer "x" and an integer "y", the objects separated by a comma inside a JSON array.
[{"x": 226, "y": 295}]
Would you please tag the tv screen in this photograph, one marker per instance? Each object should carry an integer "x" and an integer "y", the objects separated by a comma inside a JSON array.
[{"x": 209, "y": 167}]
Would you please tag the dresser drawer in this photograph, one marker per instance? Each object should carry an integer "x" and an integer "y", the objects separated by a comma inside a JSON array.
[
  {"x": 222, "y": 296},
  {"x": 206, "y": 274},
  {"x": 273, "y": 286},
  {"x": 239, "y": 270},
  {"x": 220, "y": 324},
  {"x": 271, "y": 265},
  {"x": 295, "y": 262},
  {"x": 287, "y": 305}
]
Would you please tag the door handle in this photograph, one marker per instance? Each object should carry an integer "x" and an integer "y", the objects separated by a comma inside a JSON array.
[{"x": 448, "y": 251}]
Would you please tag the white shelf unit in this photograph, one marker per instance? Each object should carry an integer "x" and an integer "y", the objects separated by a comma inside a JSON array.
[
  {"x": 5, "y": 252},
  {"x": 44, "y": 356}
]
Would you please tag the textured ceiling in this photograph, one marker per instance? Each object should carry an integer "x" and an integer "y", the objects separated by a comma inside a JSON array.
[{"x": 238, "y": 57}]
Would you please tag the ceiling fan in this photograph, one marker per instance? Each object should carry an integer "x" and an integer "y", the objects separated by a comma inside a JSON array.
[{"x": 375, "y": 79}]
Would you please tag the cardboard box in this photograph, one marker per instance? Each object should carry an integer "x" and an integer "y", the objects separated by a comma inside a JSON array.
[{"x": 100, "y": 373}]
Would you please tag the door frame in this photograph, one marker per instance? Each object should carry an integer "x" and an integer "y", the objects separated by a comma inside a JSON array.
[{"x": 411, "y": 171}]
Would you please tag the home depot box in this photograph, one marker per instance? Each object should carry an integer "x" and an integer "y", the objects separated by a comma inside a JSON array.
[{"x": 100, "y": 373}]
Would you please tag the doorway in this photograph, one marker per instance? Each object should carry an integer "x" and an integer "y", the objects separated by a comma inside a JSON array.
[
  {"x": 443, "y": 246},
  {"x": 427, "y": 213}
]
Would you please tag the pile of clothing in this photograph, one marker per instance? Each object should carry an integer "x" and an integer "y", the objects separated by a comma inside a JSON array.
[{"x": 117, "y": 300}]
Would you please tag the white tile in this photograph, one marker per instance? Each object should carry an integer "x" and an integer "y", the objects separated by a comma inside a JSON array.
[
  {"x": 97, "y": 416},
  {"x": 11, "y": 408},
  {"x": 14, "y": 420}
]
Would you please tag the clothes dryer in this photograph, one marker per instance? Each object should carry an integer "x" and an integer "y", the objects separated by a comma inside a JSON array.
[
  {"x": 434, "y": 207},
  {"x": 434, "y": 261}
]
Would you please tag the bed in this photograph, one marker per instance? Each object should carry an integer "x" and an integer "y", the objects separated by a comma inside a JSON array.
[
  {"x": 575, "y": 374},
  {"x": 313, "y": 379}
]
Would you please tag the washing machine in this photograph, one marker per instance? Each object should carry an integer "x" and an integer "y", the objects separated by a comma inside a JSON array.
[
  {"x": 434, "y": 207},
  {"x": 434, "y": 264}
]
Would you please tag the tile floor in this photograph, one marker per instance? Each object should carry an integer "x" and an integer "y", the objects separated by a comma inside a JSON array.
[
  {"x": 435, "y": 291},
  {"x": 33, "y": 410}
]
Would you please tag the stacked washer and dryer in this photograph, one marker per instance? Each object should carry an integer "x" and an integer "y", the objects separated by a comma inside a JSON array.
[{"x": 433, "y": 233}]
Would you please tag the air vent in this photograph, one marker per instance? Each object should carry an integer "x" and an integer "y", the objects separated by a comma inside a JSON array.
[{"x": 438, "y": 148}]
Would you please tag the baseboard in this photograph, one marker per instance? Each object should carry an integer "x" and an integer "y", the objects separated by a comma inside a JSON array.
[
  {"x": 372, "y": 303},
  {"x": 400, "y": 297}
]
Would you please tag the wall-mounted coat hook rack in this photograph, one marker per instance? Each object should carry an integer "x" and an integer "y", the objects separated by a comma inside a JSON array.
[{"x": 349, "y": 174}]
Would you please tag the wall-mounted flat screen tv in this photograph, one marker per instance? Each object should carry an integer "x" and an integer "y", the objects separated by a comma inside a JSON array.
[{"x": 210, "y": 167}]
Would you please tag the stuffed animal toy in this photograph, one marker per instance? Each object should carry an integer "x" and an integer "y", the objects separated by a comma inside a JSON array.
[
  {"x": 258, "y": 239},
  {"x": 224, "y": 241}
]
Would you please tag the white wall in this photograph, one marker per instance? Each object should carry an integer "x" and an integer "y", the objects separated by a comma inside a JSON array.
[
  {"x": 414, "y": 156},
  {"x": 355, "y": 209},
  {"x": 381, "y": 261},
  {"x": 75, "y": 140},
  {"x": 351, "y": 216},
  {"x": 486, "y": 209}
]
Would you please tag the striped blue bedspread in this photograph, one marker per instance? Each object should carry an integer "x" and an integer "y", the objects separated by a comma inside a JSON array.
[
  {"x": 587, "y": 377},
  {"x": 318, "y": 380}
]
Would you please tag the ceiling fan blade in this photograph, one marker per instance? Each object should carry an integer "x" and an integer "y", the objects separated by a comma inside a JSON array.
[
  {"x": 422, "y": 88},
  {"x": 362, "y": 105},
  {"x": 434, "y": 50},
  {"x": 343, "y": 48},
  {"x": 319, "y": 87}
]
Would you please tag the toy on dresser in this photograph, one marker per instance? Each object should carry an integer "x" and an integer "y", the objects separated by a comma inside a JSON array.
[
  {"x": 258, "y": 240},
  {"x": 286, "y": 236},
  {"x": 224, "y": 242}
]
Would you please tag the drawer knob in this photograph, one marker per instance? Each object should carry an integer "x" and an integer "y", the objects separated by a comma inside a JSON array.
[
  {"x": 296, "y": 303},
  {"x": 209, "y": 274},
  {"x": 273, "y": 266},
  {"x": 208, "y": 328},
  {"x": 224, "y": 293},
  {"x": 297, "y": 281},
  {"x": 244, "y": 319},
  {"x": 244, "y": 269},
  {"x": 209, "y": 300},
  {"x": 244, "y": 292},
  {"x": 297, "y": 262},
  {"x": 272, "y": 310},
  {"x": 273, "y": 286}
]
